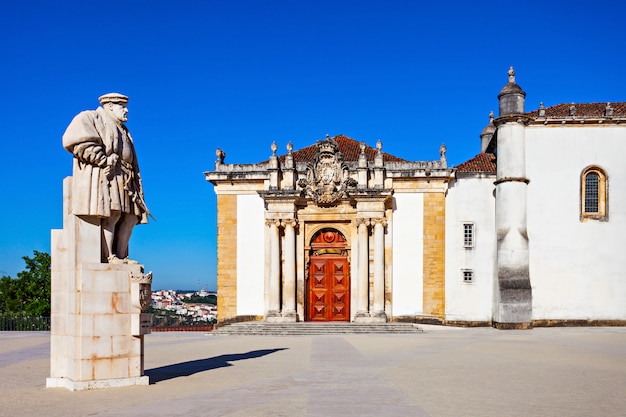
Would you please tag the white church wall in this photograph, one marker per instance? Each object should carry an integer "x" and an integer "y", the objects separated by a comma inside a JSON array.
[
  {"x": 250, "y": 255},
  {"x": 470, "y": 201},
  {"x": 408, "y": 265},
  {"x": 576, "y": 268}
]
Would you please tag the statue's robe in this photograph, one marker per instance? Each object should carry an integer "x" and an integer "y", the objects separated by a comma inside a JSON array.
[{"x": 91, "y": 136}]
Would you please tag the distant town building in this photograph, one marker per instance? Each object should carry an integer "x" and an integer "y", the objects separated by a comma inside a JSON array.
[{"x": 172, "y": 301}]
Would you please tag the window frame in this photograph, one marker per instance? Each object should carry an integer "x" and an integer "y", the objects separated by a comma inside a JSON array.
[
  {"x": 471, "y": 274},
  {"x": 602, "y": 197},
  {"x": 472, "y": 238}
]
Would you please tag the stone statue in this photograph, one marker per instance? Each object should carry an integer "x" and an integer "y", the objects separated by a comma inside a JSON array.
[
  {"x": 442, "y": 154},
  {"x": 106, "y": 181}
]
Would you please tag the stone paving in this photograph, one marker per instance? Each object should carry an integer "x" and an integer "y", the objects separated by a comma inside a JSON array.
[{"x": 442, "y": 372}]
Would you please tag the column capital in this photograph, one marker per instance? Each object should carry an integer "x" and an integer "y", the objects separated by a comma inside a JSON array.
[
  {"x": 289, "y": 222},
  {"x": 272, "y": 222},
  {"x": 379, "y": 220},
  {"x": 360, "y": 220}
]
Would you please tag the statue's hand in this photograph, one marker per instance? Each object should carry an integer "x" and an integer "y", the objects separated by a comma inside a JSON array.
[
  {"x": 107, "y": 172},
  {"x": 102, "y": 160},
  {"x": 111, "y": 162},
  {"x": 112, "y": 159}
]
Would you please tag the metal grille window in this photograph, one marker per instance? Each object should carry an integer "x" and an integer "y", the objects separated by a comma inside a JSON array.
[
  {"x": 592, "y": 181},
  {"x": 593, "y": 194},
  {"x": 468, "y": 235},
  {"x": 468, "y": 275}
]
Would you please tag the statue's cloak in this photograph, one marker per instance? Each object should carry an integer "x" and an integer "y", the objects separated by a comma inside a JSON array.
[{"x": 90, "y": 134}]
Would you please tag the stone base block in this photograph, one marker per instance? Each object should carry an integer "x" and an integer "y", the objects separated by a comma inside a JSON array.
[
  {"x": 430, "y": 320},
  {"x": 513, "y": 326},
  {"x": 96, "y": 341},
  {"x": 278, "y": 317},
  {"x": 95, "y": 384},
  {"x": 286, "y": 317},
  {"x": 378, "y": 317}
]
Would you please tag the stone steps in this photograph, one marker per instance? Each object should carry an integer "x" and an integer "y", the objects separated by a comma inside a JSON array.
[{"x": 313, "y": 328}]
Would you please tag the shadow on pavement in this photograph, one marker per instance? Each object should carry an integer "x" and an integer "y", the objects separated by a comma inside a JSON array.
[{"x": 164, "y": 373}]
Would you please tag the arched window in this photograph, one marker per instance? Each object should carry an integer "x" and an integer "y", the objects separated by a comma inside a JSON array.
[{"x": 593, "y": 195}]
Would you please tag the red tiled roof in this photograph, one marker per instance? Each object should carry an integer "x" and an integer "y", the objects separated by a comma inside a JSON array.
[
  {"x": 349, "y": 148},
  {"x": 582, "y": 110},
  {"x": 483, "y": 162}
]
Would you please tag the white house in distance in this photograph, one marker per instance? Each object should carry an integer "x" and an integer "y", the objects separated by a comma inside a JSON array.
[{"x": 530, "y": 232}]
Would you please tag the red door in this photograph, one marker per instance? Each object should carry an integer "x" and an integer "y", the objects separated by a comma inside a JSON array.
[{"x": 329, "y": 289}]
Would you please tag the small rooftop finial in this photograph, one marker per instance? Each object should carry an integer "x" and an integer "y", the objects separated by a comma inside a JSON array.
[
  {"x": 274, "y": 148},
  {"x": 542, "y": 109},
  {"x": 511, "y": 75},
  {"x": 289, "y": 147},
  {"x": 608, "y": 110},
  {"x": 491, "y": 116},
  {"x": 379, "y": 145},
  {"x": 220, "y": 155},
  {"x": 442, "y": 156},
  {"x": 327, "y": 137}
]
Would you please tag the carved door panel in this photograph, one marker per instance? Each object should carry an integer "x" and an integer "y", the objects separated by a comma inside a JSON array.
[{"x": 329, "y": 289}]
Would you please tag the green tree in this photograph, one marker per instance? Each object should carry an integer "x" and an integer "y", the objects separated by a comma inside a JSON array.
[
  {"x": 197, "y": 299},
  {"x": 29, "y": 293}
]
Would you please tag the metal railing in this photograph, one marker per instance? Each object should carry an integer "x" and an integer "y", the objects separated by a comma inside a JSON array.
[
  {"x": 159, "y": 324},
  {"x": 24, "y": 324},
  {"x": 178, "y": 324}
]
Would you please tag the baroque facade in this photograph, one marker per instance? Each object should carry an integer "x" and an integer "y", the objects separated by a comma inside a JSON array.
[{"x": 520, "y": 235}]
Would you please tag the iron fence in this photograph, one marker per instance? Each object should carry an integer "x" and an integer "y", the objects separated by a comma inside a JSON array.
[
  {"x": 24, "y": 324},
  {"x": 174, "y": 323},
  {"x": 159, "y": 324}
]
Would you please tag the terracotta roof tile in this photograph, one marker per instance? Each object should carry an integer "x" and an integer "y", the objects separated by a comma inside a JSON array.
[
  {"x": 483, "y": 162},
  {"x": 595, "y": 110},
  {"x": 349, "y": 148}
]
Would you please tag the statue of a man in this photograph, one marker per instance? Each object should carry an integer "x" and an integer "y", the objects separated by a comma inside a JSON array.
[{"x": 106, "y": 181}]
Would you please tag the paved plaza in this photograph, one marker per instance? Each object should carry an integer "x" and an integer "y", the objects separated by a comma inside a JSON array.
[{"x": 441, "y": 372}]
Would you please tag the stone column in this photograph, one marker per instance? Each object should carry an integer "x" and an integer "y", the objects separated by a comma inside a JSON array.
[
  {"x": 363, "y": 271},
  {"x": 274, "y": 293},
  {"x": 379, "y": 270},
  {"x": 289, "y": 271}
]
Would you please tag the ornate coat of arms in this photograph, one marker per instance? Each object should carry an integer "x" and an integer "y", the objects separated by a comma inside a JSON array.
[
  {"x": 327, "y": 177},
  {"x": 141, "y": 290}
]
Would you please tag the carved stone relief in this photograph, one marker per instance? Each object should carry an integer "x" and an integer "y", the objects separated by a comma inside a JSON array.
[{"x": 327, "y": 177}]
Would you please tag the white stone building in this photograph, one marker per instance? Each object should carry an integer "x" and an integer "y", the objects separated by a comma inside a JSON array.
[{"x": 340, "y": 231}]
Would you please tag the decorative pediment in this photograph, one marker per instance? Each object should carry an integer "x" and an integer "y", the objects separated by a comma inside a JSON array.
[{"x": 327, "y": 177}]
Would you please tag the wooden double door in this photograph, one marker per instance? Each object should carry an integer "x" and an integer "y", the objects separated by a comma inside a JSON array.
[{"x": 329, "y": 289}]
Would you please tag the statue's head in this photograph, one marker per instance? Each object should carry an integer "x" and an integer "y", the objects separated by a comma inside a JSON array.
[{"x": 115, "y": 104}]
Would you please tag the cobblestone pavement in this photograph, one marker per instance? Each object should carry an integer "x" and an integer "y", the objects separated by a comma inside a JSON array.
[{"x": 442, "y": 372}]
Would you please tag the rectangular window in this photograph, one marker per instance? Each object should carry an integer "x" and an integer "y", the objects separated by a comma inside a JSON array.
[
  {"x": 468, "y": 235},
  {"x": 468, "y": 275}
]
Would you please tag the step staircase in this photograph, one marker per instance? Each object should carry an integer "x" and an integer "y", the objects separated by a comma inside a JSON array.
[{"x": 259, "y": 328}]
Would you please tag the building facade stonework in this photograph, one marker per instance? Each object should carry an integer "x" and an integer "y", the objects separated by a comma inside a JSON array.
[{"x": 342, "y": 231}]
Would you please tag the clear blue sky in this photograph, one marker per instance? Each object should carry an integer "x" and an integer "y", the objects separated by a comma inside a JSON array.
[{"x": 241, "y": 74}]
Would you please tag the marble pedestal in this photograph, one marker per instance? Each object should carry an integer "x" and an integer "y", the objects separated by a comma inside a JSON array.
[{"x": 95, "y": 341}]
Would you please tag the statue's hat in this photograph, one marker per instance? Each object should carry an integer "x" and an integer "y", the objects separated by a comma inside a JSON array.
[{"x": 113, "y": 98}]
